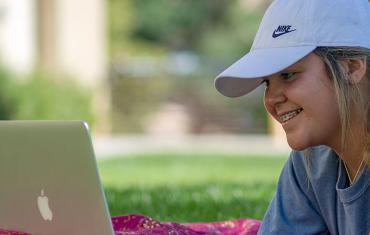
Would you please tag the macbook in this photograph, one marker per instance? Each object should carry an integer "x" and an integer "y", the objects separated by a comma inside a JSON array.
[{"x": 49, "y": 182}]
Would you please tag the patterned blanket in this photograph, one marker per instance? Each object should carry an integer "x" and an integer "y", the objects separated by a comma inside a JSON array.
[{"x": 142, "y": 225}]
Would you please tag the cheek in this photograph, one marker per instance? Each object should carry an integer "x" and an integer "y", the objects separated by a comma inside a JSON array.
[
  {"x": 323, "y": 113},
  {"x": 329, "y": 111},
  {"x": 268, "y": 106},
  {"x": 311, "y": 90}
]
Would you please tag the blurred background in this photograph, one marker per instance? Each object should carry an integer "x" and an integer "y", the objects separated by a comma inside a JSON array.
[{"x": 141, "y": 73}]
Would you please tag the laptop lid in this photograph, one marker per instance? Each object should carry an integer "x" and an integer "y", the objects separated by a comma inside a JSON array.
[{"x": 49, "y": 183}]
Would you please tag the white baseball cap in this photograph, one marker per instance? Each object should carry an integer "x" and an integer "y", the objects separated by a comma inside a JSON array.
[{"x": 290, "y": 30}]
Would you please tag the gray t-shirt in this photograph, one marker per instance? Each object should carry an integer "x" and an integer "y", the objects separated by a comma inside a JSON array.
[{"x": 313, "y": 197}]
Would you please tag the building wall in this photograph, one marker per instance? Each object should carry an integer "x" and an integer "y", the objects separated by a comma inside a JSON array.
[
  {"x": 81, "y": 50},
  {"x": 66, "y": 38},
  {"x": 18, "y": 34},
  {"x": 82, "y": 39}
]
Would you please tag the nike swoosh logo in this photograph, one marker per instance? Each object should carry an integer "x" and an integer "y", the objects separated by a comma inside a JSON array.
[{"x": 277, "y": 34}]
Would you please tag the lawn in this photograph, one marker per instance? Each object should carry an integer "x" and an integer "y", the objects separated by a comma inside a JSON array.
[{"x": 189, "y": 187}]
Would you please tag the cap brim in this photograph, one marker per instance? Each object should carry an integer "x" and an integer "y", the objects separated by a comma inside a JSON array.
[{"x": 246, "y": 74}]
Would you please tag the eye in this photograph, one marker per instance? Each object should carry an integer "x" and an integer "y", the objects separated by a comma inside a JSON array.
[
  {"x": 287, "y": 76},
  {"x": 266, "y": 82}
]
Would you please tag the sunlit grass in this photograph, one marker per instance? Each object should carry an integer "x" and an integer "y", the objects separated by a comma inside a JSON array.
[{"x": 189, "y": 188}]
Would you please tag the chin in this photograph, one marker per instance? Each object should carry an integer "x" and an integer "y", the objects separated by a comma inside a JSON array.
[{"x": 298, "y": 145}]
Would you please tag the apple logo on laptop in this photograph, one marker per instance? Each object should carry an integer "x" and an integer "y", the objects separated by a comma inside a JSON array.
[{"x": 43, "y": 205}]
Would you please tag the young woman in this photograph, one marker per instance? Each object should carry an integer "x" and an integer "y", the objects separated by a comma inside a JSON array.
[{"x": 314, "y": 58}]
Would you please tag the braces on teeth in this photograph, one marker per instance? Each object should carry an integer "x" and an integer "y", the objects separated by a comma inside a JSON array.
[{"x": 290, "y": 115}]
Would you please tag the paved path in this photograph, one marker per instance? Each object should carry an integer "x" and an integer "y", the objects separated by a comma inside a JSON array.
[{"x": 125, "y": 145}]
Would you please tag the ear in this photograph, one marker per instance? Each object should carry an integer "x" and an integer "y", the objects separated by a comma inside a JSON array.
[{"x": 355, "y": 69}]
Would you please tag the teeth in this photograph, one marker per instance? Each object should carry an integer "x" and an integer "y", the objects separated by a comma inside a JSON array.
[{"x": 290, "y": 115}]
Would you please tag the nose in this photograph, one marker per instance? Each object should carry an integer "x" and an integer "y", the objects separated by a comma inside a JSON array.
[{"x": 274, "y": 94}]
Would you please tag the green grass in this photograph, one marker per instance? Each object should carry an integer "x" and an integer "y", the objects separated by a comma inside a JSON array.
[{"x": 191, "y": 188}]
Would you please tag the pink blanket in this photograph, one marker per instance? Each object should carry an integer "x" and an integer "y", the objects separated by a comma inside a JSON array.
[{"x": 143, "y": 225}]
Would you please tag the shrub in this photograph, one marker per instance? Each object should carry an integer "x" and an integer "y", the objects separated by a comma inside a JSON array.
[{"x": 40, "y": 97}]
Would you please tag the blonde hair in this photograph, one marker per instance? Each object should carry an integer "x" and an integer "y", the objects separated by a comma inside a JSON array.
[{"x": 349, "y": 95}]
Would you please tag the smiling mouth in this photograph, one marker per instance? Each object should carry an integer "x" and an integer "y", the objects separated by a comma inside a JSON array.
[{"x": 289, "y": 115}]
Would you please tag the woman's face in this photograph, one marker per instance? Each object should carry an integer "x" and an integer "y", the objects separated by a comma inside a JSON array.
[{"x": 303, "y": 100}]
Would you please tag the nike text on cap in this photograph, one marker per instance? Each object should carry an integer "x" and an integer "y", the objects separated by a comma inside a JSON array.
[{"x": 290, "y": 30}]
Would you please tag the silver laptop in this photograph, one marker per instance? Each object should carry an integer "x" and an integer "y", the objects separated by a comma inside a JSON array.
[{"x": 49, "y": 183}]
